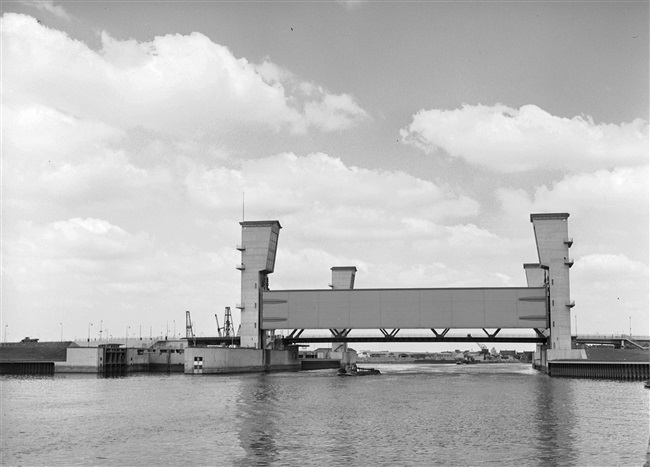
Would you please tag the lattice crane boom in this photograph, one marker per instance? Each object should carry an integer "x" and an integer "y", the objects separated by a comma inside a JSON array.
[{"x": 189, "y": 329}]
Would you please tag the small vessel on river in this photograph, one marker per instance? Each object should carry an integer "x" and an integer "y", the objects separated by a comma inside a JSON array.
[{"x": 353, "y": 370}]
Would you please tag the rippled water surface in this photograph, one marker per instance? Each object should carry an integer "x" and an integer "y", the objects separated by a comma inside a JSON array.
[{"x": 506, "y": 415}]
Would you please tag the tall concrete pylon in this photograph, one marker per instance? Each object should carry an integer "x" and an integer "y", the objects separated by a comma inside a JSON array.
[
  {"x": 553, "y": 243},
  {"x": 258, "y": 250},
  {"x": 342, "y": 278}
]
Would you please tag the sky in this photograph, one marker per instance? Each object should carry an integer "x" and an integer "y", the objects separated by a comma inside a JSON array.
[{"x": 409, "y": 139}]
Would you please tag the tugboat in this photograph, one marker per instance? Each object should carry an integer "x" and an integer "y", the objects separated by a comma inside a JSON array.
[
  {"x": 466, "y": 360},
  {"x": 353, "y": 370}
]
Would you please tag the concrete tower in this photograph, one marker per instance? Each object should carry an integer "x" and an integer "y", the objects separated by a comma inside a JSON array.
[
  {"x": 343, "y": 277},
  {"x": 258, "y": 249},
  {"x": 534, "y": 275},
  {"x": 553, "y": 243}
]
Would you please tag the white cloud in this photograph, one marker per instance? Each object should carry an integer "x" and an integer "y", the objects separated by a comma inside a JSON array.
[
  {"x": 609, "y": 224},
  {"x": 48, "y": 6},
  {"x": 611, "y": 292},
  {"x": 174, "y": 84},
  {"x": 603, "y": 190},
  {"x": 323, "y": 185},
  {"x": 333, "y": 113},
  {"x": 56, "y": 163},
  {"x": 513, "y": 140},
  {"x": 114, "y": 209},
  {"x": 600, "y": 268},
  {"x": 609, "y": 208},
  {"x": 86, "y": 270}
]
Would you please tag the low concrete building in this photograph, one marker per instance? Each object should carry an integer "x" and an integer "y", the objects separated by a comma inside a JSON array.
[{"x": 214, "y": 360}]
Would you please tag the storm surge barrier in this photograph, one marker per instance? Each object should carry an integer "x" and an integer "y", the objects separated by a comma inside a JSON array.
[{"x": 543, "y": 306}]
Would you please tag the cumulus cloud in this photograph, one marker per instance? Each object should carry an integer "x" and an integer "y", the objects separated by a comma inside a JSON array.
[
  {"x": 82, "y": 270},
  {"x": 325, "y": 185},
  {"x": 92, "y": 239},
  {"x": 333, "y": 112},
  {"x": 122, "y": 193},
  {"x": 609, "y": 224},
  {"x": 179, "y": 84},
  {"x": 511, "y": 140},
  {"x": 609, "y": 208},
  {"x": 603, "y": 190},
  {"x": 391, "y": 225}
]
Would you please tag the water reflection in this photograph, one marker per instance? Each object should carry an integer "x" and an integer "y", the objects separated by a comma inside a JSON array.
[
  {"x": 338, "y": 425},
  {"x": 256, "y": 424},
  {"x": 489, "y": 415},
  {"x": 554, "y": 420}
]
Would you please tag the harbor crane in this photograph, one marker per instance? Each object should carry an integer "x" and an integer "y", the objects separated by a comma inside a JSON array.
[
  {"x": 484, "y": 349},
  {"x": 218, "y": 328},
  {"x": 189, "y": 329},
  {"x": 228, "y": 329},
  {"x": 228, "y": 325}
]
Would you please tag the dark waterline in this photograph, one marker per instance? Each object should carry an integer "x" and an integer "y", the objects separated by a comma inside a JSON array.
[{"x": 504, "y": 414}]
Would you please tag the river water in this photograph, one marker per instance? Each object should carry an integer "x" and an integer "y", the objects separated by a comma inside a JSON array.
[{"x": 497, "y": 414}]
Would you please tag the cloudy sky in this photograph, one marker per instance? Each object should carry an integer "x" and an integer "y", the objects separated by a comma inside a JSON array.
[{"x": 411, "y": 139}]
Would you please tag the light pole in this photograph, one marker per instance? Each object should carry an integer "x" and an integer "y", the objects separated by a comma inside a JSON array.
[
  {"x": 174, "y": 329},
  {"x": 61, "y": 331},
  {"x": 630, "y": 326},
  {"x": 89, "y": 325},
  {"x": 126, "y": 345}
]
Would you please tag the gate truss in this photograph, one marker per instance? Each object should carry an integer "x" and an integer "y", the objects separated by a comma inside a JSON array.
[{"x": 343, "y": 335}]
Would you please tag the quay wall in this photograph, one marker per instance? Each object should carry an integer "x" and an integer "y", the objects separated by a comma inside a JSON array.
[
  {"x": 631, "y": 371},
  {"x": 167, "y": 362},
  {"x": 80, "y": 360},
  {"x": 136, "y": 361},
  {"x": 283, "y": 360},
  {"x": 319, "y": 363},
  {"x": 215, "y": 360},
  {"x": 26, "y": 368},
  {"x": 113, "y": 359}
]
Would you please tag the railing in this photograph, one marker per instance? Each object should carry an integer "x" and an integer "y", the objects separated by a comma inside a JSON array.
[{"x": 612, "y": 337}]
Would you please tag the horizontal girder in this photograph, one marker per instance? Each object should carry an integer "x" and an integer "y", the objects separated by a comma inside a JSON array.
[{"x": 394, "y": 309}]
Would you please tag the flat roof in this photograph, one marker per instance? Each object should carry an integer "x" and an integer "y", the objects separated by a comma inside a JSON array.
[
  {"x": 550, "y": 215},
  {"x": 259, "y": 223}
]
